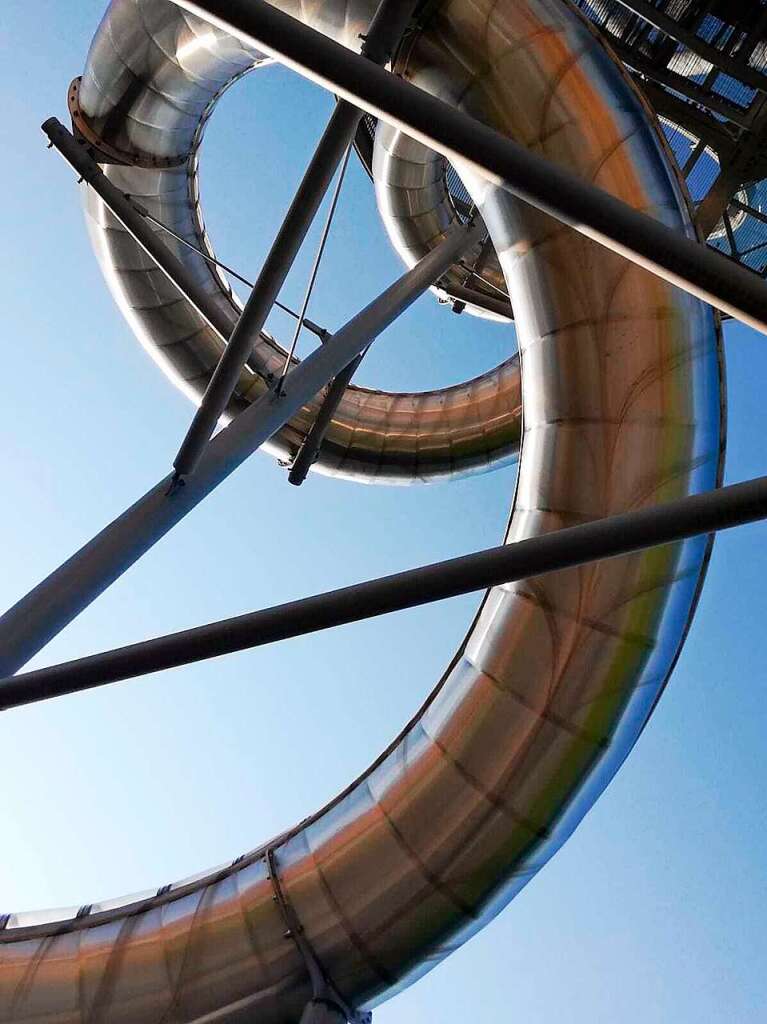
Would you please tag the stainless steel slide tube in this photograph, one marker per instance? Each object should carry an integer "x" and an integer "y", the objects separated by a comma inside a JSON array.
[{"x": 547, "y": 694}]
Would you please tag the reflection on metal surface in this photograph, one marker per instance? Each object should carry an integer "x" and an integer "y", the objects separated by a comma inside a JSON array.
[
  {"x": 161, "y": 112},
  {"x": 418, "y": 209},
  {"x": 549, "y": 691},
  {"x": 478, "y": 283}
]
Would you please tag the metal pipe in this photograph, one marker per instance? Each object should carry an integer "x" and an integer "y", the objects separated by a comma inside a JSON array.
[
  {"x": 330, "y": 150},
  {"x": 35, "y": 619},
  {"x": 461, "y": 138},
  {"x": 309, "y": 450},
  {"x": 498, "y": 306},
  {"x": 681, "y": 85},
  {"x": 333, "y": 145},
  {"x": 132, "y": 219},
  {"x": 720, "y": 509}
]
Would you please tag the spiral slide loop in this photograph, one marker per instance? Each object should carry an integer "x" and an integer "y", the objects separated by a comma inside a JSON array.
[{"x": 621, "y": 390}]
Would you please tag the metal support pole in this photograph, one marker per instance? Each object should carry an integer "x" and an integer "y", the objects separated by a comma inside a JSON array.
[
  {"x": 77, "y": 155},
  {"x": 134, "y": 218},
  {"x": 330, "y": 151},
  {"x": 309, "y": 450},
  {"x": 603, "y": 538},
  {"x": 461, "y": 138},
  {"x": 738, "y": 69},
  {"x": 385, "y": 32},
  {"x": 46, "y": 610},
  {"x": 498, "y": 306}
]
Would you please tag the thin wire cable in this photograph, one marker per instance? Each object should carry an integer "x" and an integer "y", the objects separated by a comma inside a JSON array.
[
  {"x": 308, "y": 324},
  {"x": 315, "y": 268}
]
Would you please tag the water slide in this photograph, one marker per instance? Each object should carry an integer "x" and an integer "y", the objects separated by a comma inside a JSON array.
[{"x": 614, "y": 402}]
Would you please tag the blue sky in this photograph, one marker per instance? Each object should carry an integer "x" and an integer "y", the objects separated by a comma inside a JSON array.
[{"x": 654, "y": 911}]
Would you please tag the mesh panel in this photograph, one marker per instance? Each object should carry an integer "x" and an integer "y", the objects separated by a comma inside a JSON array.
[
  {"x": 702, "y": 175},
  {"x": 737, "y": 29}
]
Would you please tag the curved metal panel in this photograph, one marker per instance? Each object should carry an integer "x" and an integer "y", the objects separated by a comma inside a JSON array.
[
  {"x": 552, "y": 686},
  {"x": 418, "y": 211}
]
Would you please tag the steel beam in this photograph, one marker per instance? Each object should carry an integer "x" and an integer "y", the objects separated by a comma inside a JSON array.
[
  {"x": 748, "y": 163},
  {"x": 719, "y": 58},
  {"x": 46, "y": 610},
  {"x": 129, "y": 215},
  {"x": 468, "y": 294},
  {"x": 604, "y": 538},
  {"x": 310, "y": 449},
  {"x": 386, "y": 29},
  {"x": 692, "y": 118},
  {"x": 707, "y": 98},
  {"x": 461, "y": 138}
]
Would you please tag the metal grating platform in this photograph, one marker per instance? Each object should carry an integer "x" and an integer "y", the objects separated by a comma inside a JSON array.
[{"x": 703, "y": 66}]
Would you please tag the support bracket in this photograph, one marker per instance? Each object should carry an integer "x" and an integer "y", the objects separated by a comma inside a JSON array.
[{"x": 324, "y": 991}]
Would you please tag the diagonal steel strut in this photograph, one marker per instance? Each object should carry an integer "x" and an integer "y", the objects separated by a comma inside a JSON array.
[
  {"x": 621, "y": 534},
  {"x": 736, "y": 68},
  {"x": 310, "y": 449},
  {"x": 130, "y": 215}
]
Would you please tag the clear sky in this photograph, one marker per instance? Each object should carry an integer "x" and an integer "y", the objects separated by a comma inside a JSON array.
[{"x": 654, "y": 911}]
